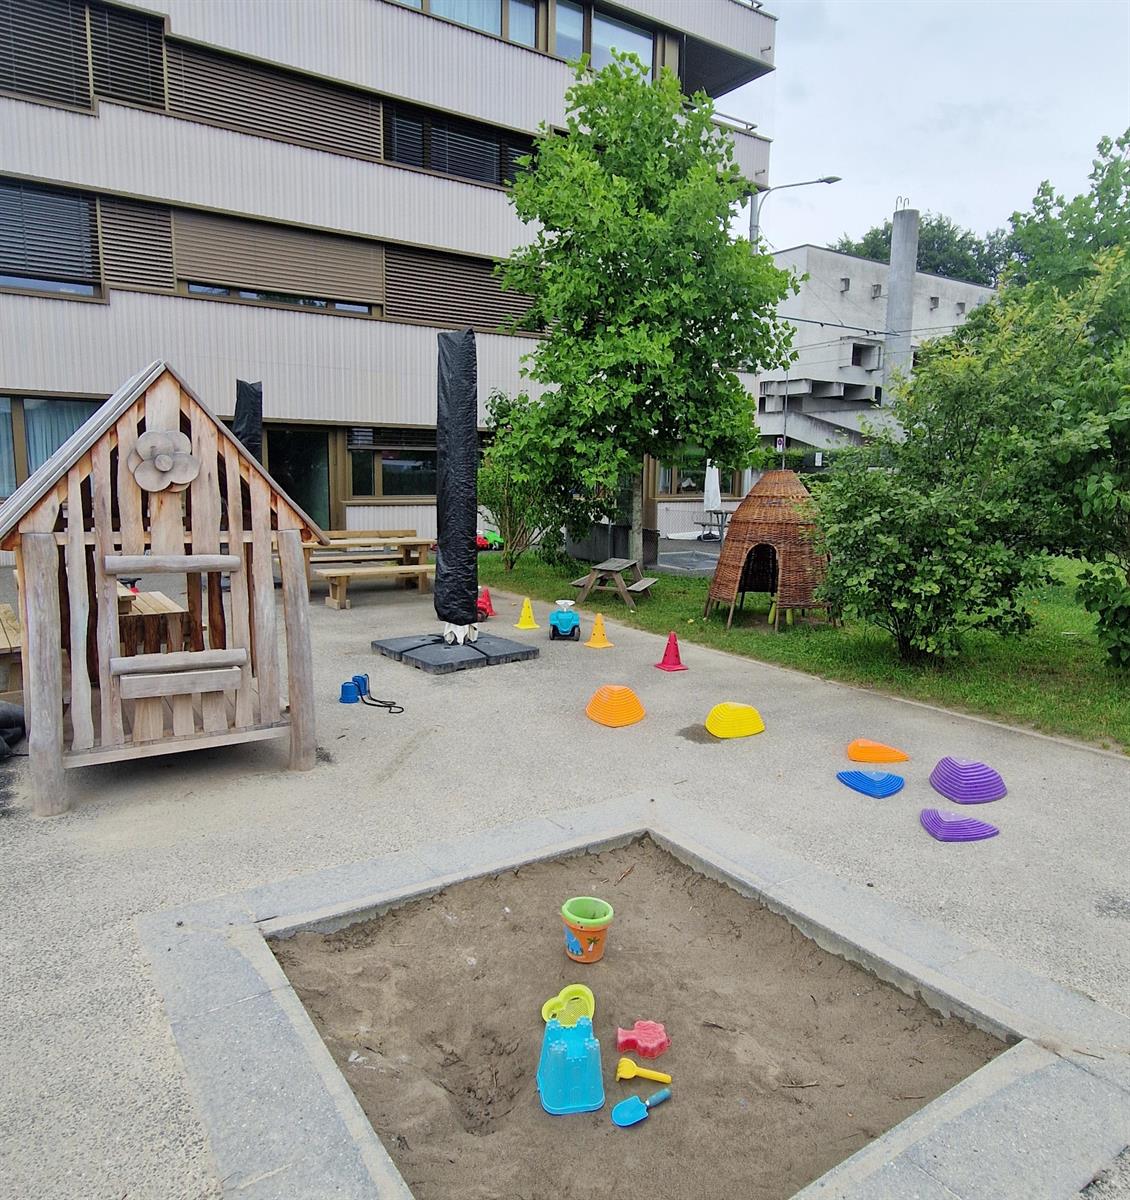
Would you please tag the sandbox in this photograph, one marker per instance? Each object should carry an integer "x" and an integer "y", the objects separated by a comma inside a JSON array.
[
  {"x": 785, "y": 1059},
  {"x": 1042, "y": 1117}
]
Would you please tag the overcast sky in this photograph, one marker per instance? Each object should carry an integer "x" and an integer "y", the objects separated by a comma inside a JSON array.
[{"x": 962, "y": 105}]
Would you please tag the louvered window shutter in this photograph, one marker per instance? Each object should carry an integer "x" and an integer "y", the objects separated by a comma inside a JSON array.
[
  {"x": 257, "y": 256},
  {"x": 47, "y": 235},
  {"x": 446, "y": 289},
  {"x": 220, "y": 89},
  {"x": 43, "y": 50},
  {"x": 405, "y": 136},
  {"x": 137, "y": 245},
  {"x": 128, "y": 53}
]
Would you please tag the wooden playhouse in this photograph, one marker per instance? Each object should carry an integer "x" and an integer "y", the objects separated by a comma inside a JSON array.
[{"x": 154, "y": 483}]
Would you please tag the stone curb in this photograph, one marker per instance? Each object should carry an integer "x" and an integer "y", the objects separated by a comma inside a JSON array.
[{"x": 1053, "y": 1110}]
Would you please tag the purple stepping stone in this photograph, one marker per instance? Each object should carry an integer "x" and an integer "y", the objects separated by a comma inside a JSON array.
[
  {"x": 967, "y": 782},
  {"x": 955, "y": 829}
]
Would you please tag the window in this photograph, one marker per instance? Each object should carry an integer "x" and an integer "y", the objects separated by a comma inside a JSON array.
[
  {"x": 485, "y": 15},
  {"x": 876, "y": 291},
  {"x": 48, "y": 424},
  {"x": 688, "y": 477},
  {"x": 43, "y": 50},
  {"x": 845, "y": 284},
  {"x": 865, "y": 354},
  {"x": 217, "y": 291},
  {"x": 127, "y": 50},
  {"x": 569, "y": 35},
  {"x": 523, "y": 22},
  {"x": 415, "y": 137},
  {"x": 7, "y": 448},
  {"x": 934, "y": 302},
  {"x": 392, "y": 462},
  {"x": 609, "y": 35},
  {"x": 48, "y": 240},
  {"x": 960, "y": 308}
]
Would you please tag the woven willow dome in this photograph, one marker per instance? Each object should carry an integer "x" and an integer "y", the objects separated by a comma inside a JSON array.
[{"x": 769, "y": 547}]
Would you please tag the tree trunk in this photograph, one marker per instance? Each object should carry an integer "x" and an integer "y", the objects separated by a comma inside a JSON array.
[{"x": 635, "y": 536}]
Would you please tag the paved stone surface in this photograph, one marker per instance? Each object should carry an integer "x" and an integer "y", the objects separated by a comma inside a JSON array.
[{"x": 88, "y": 1058}]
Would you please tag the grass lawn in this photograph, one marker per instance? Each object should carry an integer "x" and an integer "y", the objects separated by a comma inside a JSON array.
[{"x": 1053, "y": 679}]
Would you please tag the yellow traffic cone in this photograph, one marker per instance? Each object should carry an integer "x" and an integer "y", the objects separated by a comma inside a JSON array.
[
  {"x": 599, "y": 639},
  {"x": 526, "y": 620}
]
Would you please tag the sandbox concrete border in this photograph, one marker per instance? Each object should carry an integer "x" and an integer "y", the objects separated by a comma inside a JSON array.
[{"x": 1049, "y": 1113}]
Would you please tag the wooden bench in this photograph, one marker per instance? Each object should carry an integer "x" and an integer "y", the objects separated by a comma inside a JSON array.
[
  {"x": 339, "y": 577},
  {"x": 640, "y": 587}
]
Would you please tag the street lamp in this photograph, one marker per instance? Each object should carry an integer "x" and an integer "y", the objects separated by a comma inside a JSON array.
[{"x": 757, "y": 199}]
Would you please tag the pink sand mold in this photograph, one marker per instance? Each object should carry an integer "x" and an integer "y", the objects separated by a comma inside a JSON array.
[
  {"x": 955, "y": 829},
  {"x": 967, "y": 782},
  {"x": 647, "y": 1038}
]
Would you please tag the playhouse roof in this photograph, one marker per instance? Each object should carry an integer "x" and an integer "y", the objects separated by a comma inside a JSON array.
[
  {"x": 779, "y": 497},
  {"x": 42, "y": 481}
]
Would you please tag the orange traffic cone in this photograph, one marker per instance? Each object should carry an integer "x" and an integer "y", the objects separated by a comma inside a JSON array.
[
  {"x": 671, "y": 660},
  {"x": 599, "y": 639},
  {"x": 484, "y": 604}
]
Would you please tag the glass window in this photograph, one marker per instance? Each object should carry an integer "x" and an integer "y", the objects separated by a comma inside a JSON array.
[
  {"x": 54, "y": 286},
  {"x": 362, "y": 464},
  {"x": 666, "y": 479},
  {"x": 7, "y": 448},
  {"x": 408, "y": 472},
  {"x": 48, "y": 240},
  {"x": 523, "y": 22},
  {"x": 569, "y": 36},
  {"x": 50, "y": 422},
  {"x": 609, "y": 35},
  {"x": 479, "y": 14}
]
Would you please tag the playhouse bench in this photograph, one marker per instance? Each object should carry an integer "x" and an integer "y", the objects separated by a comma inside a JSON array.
[{"x": 339, "y": 577}]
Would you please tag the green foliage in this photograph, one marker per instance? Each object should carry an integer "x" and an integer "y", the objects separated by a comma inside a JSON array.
[
  {"x": 1105, "y": 591},
  {"x": 1058, "y": 240},
  {"x": 648, "y": 306},
  {"x": 520, "y": 488},
  {"x": 925, "y": 563},
  {"x": 944, "y": 248}
]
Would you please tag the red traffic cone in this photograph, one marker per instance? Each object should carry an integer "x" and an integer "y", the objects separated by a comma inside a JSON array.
[
  {"x": 671, "y": 660},
  {"x": 484, "y": 604}
]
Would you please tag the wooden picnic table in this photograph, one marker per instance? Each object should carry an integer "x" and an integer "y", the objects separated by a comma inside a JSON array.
[
  {"x": 366, "y": 546},
  {"x": 608, "y": 576},
  {"x": 152, "y": 624},
  {"x": 11, "y": 650}
]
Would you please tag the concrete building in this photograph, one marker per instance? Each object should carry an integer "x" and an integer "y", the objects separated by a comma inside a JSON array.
[
  {"x": 300, "y": 192},
  {"x": 844, "y": 317}
]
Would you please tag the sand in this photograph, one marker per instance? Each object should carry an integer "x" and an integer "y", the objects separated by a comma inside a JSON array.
[{"x": 785, "y": 1059}]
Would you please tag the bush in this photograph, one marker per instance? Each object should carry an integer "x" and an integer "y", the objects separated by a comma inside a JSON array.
[
  {"x": 922, "y": 563},
  {"x": 1105, "y": 591}
]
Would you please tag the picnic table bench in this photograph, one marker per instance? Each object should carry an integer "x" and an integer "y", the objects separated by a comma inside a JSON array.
[
  {"x": 353, "y": 546},
  {"x": 11, "y": 650},
  {"x": 338, "y": 577},
  {"x": 608, "y": 576}
]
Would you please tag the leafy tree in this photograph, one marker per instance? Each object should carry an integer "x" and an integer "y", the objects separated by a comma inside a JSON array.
[
  {"x": 944, "y": 248},
  {"x": 648, "y": 306},
  {"x": 520, "y": 489},
  {"x": 1015, "y": 441},
  {"x": 1058, "y": 240}
]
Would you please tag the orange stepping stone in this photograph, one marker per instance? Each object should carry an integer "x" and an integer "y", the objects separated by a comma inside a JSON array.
[
  {"x": 615, "y": 706},
  {"x": 863, "y": 750}
]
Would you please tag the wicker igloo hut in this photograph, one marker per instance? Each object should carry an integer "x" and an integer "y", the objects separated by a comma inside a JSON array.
[{"x": 769, "y": 547}]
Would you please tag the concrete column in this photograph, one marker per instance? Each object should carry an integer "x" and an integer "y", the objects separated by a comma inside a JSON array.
[{"x": 900, "y": 296}]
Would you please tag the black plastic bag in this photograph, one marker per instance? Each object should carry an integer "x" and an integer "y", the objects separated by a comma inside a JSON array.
[{"x": 248, "y": 423}]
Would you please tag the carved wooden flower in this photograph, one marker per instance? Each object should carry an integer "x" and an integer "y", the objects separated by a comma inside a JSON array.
[{"x": 163, "y": 462}]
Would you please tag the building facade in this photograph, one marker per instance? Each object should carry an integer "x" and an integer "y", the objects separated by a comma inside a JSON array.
[
  {"x": 297, "y": 192},
  {"x": 841, "y": 321}
]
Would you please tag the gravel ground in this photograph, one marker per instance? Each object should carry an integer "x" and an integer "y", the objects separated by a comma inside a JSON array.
[{"x": 95, "y": 1105}]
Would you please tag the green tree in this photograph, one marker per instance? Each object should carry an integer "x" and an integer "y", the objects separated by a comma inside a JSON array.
[
  {"x": 648, "y": 306},
  {"x": 1058, "y": 240},
  {"x": 520, "y": 487},
  {"x": 944, "y": 248}
]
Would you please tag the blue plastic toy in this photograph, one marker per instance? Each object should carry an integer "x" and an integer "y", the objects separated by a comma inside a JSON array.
[
  {"x": 878, "y": 784},
  {"x": 350, "y": 694},
  {"x": 564, "y": 622},
  {"x": 569, "y": 1079}
]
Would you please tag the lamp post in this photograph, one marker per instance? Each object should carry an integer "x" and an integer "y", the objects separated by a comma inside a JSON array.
[{"x": 758, "y": 198}]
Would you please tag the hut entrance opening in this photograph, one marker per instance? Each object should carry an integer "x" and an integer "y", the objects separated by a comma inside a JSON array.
[{"x": 760, "y": 571}]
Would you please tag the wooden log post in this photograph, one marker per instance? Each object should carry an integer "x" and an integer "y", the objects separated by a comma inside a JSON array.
[
  {"x": 44, "y": 672},
  {"x": 299, "y": 656}
]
